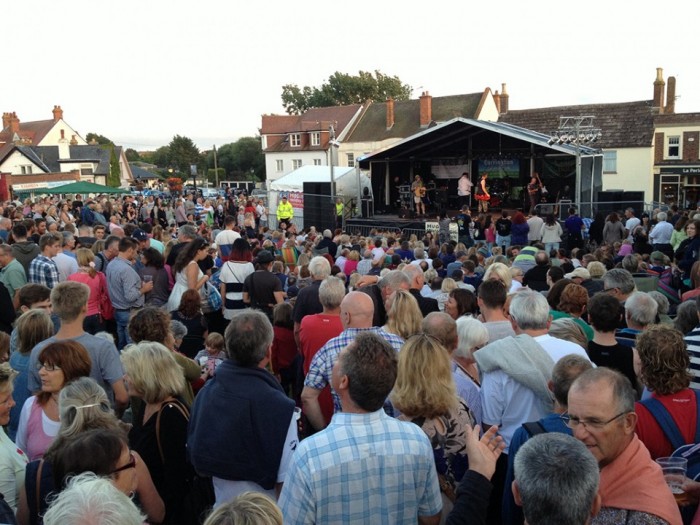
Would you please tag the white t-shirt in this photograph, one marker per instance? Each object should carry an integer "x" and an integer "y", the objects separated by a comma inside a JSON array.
[{"x": 558, "y": 348}]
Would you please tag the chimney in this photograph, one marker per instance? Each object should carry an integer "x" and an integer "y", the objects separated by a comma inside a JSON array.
[
  {"x": 57, "y": 113},
  {"x": 426, "y": 109},
  {"x": 389, "y": 113},
  {"x": 504, "y": 100},
  {"x": 659, "y": 90},
  {"x": 671, "y": 96},
  {"x": 6, "y": 119},
  {"x": 73, "y": 141},
  {"x": 63, "y": 149},
  {"x": 497, "y": 100},
  {"x": 14, "y": 123}
]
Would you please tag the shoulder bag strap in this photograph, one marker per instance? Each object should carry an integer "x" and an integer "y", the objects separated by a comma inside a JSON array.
[
  {"x": 665, "y": 421},
  {"x": 534, "y": 428},
  {"x": 38, "y": 488},
  {"x": 697, "y": 420},
  {"x": 183, "y": 410}
]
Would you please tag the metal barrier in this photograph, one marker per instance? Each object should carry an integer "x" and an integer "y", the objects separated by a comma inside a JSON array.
[{"x": 561, "y": 208}]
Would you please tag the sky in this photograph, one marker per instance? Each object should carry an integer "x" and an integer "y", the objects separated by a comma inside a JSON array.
[{"x": 140, "y": 72}]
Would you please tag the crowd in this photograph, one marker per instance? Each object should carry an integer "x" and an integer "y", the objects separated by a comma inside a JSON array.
[{"x": 163, "y": 358}]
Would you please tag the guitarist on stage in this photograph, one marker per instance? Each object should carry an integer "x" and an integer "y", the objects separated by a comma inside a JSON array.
[{"x": 419, "y": 191}]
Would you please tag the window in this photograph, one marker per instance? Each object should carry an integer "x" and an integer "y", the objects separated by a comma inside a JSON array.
[
  {"x": 317, "y": 162},
  {"x": 316, "y": 138},
  {"x": 86, "y": 169},
  {"x": 351, "y": 160},
  {"x": 610, "y": 162},
  {"x": 26, "y": 170},
  {"x": 295, "y": 140},
  {"x": 674, "y": 147},
  {"x": 296, "y": 164},
  {"x": 280, "y": 166}
]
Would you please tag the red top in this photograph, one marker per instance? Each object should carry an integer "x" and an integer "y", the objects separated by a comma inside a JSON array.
[
  {"x": 315, "y": 331},
  {"x": 683, "y": 409},
  {"x": 284, "y": 348},
  {"x": 98, "y": 288}
]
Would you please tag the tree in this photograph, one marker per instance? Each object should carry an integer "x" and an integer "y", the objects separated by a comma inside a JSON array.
[
  {"x": 100, "y": 139},
  {"x": 343, "y": 89},
  {"x": 114, "y": 178},
  {"x": 240, "y": 160},
  {"x": 161, "y": 157},
  {"x": 132, "y": 155},
  {"x": 183, "y": 153}
]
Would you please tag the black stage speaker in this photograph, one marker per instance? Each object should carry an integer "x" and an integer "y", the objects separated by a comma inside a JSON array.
[{"x": 319, "y": 208}]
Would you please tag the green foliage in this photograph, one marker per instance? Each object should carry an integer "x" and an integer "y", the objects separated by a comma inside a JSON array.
[
  {"x": 183, "y": 153},
  {"x": 161, "y": 157},
  {"x": 343, "y": 89},
  {"x": 100, "y": 139},
  {"x": 132, "y": 155},
  {"x": 211, "y": 174},
  {"x": 240, "y": 160},
  {"x": 114, "y": 177}
]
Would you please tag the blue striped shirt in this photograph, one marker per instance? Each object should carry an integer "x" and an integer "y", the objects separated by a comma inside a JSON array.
[{"x": 363, "y": 468}]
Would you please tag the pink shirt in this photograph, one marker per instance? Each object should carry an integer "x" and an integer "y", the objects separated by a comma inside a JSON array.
[{"x": 97, "y": 287}]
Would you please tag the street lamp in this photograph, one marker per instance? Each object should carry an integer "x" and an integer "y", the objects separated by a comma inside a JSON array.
[{"x": 578, "y": 131}]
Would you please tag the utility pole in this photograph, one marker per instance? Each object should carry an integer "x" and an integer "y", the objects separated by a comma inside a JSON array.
[{"x": 216, "y": 169}]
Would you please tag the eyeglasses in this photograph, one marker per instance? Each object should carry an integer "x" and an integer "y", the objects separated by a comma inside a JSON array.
[
  {"x": 573, "y": 422},
  {"x": 130, "y": 464},
  {"x": 609, "y": 290},
  {"x": 48, "y": 367}
]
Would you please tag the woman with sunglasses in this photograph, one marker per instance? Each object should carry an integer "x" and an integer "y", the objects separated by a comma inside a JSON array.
[
  {"x": 84, "y": 407},
  {"x": 59, "y": 363}
]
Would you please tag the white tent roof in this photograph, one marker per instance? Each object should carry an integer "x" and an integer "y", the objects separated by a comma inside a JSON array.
[{"x": 295, "y": 180}]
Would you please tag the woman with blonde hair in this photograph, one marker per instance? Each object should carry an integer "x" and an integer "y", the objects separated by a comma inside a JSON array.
[
  {"x": 32, "y": 327},
  {"x": 404, "y": 317},
  {"x": 426, "y": 395},
  {"x": 159, "y": 431},
  {"x": 448, "y": 284},
  {"x": 499, "y": 272},
  {"x": 97, "y": 283},
  {"x": 248, "y": 508}
]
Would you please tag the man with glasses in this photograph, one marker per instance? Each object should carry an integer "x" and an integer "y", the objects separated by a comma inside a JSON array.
[{"x": 601, "y": 415}]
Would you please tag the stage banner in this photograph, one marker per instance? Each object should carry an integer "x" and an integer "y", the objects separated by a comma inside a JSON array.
[
  {"x": 500, "y": 168},
  {"x": 449, "y": 171},
  {"x": 297, "y": 199}
]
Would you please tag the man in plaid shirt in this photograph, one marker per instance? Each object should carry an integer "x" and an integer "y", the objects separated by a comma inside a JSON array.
[
  {"x": 42, "y": 269},
  {"x": 356, "y": 314},
  {"x": 365, "y": 467}
]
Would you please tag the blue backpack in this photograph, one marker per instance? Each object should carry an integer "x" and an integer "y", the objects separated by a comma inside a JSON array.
[{"x": 690, "y": 451}]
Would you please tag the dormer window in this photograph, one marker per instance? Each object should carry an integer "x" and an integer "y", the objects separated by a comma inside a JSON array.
[
  {"x": 316, "y": 138},
  {"x": 294, "y": 140}
]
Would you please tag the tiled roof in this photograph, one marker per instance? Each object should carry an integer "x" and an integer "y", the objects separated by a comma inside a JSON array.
[
  {"x": 372, "y": 125},
  {"x": 33, "y": 132},
  {"x": 677, "y": 118},
  {"x": 46, "y": 157},
  {"x": 624, "y": 125},
  {"x": 311, "y": 120},
  {"x": 316, "y": 119}
]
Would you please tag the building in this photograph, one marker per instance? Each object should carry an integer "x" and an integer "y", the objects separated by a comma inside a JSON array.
[
  {"x": 47, "y": 153},
  {"x": 292, "y": 141}
]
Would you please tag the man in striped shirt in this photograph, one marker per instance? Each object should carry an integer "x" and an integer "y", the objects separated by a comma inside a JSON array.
[{"x": 692, "y": 339}]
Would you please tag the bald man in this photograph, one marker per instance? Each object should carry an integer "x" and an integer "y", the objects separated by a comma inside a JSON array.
[{"x": 356, "y": 313}]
